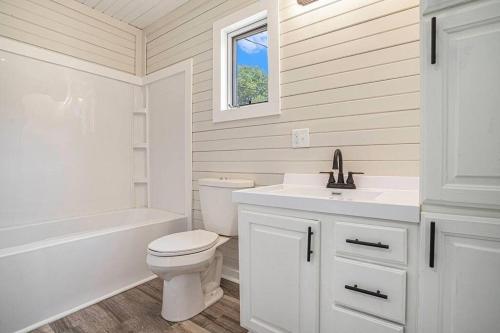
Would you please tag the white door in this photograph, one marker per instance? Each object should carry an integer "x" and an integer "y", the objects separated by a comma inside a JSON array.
[
  {"x": 461, "y": 98},
  {"x": 461, "y": 292},
  {"x": 279, "y": 273}
]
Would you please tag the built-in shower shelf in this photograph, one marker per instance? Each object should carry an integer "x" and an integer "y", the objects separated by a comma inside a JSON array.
[{"x": 140, "y": 150}]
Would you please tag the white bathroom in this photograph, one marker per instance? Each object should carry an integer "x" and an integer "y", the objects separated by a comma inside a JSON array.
[{"x": 262, "y": 166}]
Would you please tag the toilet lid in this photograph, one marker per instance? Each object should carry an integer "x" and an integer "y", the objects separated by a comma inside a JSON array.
[{"x": 182, "y": 243}]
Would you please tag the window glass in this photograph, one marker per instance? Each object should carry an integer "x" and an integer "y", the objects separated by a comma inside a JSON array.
[{"x": 250, "y": 67}]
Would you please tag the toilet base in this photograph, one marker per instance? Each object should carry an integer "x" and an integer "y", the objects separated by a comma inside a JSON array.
[
  {"x": 213, "y": 297},
  {"x": 181, "y": 303},
  {"x": 186, "y": 295},
  {"x": 182, "y": 297}
]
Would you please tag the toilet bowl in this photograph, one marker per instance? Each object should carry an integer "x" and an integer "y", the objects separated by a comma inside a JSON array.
[{"x": 189, "y": 262}]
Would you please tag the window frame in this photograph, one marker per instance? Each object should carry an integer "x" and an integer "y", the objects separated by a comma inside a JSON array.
[
  {"x": 232, "y": 39},
  {"x": 263, "y": 13}
]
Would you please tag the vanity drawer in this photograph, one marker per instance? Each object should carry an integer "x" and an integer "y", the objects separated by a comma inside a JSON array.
[
  {"x": 374, "y": 289},
  {"x": 371, "y": 241},
  {"x": 347, "y": 321}
]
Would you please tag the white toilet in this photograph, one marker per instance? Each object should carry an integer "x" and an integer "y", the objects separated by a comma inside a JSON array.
[{"x": 189, "y": 262}]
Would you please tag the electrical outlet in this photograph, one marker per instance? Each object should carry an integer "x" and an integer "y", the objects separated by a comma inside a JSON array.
[{"x": 300, "y": 138}]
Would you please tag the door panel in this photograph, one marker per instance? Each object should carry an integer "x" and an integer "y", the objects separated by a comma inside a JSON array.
[
  {"x": 471, "y": 296},
  {"x": 275, "y": 267},
  {"x": 279, "y": 286},
  {"x": 461, "y": 294},
  {"x": 461, "y": 118}
]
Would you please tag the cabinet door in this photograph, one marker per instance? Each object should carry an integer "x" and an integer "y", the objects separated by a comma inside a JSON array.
[
  {"x": 279, "y": 285},
  {"x": 433, "y": 5},
  {"x": 461, "y": 98},
  {"x": 461, "y": 293}
]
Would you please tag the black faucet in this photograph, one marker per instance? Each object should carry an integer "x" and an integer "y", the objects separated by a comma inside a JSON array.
[{"x": 338, "y": 164}]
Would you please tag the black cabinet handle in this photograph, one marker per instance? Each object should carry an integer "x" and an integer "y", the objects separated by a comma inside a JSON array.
[
  {"x": 367, "y": 292},
  {"x": 358, "y": 242},
  {"x": 433, "y": 40},
  {"x": 432, "y": 244},
  {"x": 309, "y": 251}
]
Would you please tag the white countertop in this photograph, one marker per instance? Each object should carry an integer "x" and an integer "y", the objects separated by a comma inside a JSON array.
[{"x": 391, "y": 198}]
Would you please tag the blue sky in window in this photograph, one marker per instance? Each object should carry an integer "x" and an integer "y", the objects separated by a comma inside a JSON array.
[{"x": 252, "y": 51}]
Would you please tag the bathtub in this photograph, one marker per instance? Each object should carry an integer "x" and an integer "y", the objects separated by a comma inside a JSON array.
[{"x": 50, "y": 269}]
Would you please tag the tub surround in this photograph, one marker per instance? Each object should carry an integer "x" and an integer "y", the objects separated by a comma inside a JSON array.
[{"x": 75, "y": 127}]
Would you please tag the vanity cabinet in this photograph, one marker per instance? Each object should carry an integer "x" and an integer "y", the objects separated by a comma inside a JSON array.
[
  {"x": 459, "y": 274},
  {"x": 461, "y": 121},
  {"x": 279, "y": 272},
  {"x": 361, "y": 275}
]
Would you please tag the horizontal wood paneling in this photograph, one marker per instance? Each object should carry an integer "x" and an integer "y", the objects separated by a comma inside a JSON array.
[
  {"x": 68, "y": 27},
  {"x": 394, "y": 152},
  {"x": 137, "y": 13},
  {"x": 349, "y": 72}
]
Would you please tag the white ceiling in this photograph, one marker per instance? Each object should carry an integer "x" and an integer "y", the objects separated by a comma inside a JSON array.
[{"x": 139, "y": 13}]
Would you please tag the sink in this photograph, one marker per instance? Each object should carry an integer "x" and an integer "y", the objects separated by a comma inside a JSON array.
[
  {"x": 317, "y": 192},
  {"x": 392, "y": 198}
]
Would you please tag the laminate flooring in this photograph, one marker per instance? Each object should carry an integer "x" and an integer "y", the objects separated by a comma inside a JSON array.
[{"x": 138, "y": 310}]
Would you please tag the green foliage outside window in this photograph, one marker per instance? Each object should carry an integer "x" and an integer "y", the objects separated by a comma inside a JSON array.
[{"x": 252, "y": 85}]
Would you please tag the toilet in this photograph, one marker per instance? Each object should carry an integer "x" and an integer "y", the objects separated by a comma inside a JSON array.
[{"x": 189, "y": 262}]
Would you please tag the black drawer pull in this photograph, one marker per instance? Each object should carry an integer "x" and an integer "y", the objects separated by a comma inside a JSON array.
[
  {"x": 367, "y": 292},
  {"x": 358, "y": 242}
]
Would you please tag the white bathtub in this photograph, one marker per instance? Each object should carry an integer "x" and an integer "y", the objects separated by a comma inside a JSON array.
[{"x": 51, "y": 269}]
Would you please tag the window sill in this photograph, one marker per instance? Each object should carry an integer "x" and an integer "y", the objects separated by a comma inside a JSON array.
[{"x": 247, "y": 111}]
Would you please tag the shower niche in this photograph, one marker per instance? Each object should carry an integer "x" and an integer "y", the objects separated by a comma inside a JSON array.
[{"x": 140, "y": 149}]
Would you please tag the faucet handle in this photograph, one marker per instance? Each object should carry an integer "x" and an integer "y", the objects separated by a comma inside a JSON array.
[
  {"x": 331, "y": 179},
  {"x": 350, "y": 178}
]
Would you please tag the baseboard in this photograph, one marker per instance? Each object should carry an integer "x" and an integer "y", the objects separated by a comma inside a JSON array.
[
  {"x": 84, "y": 305},
  {"x": 231, "y": 274}
]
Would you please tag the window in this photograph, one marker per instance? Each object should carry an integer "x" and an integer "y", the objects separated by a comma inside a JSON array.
[
  {"x": 248, "y": 68},
  {"x": 246, "y": 63}
]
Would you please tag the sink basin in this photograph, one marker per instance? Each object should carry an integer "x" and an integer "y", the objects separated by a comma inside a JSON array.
[
  {"x": 327, "y": 193},
  {"x": 392, "y": 198}
]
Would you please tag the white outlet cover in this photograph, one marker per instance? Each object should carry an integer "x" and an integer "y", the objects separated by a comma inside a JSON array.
[{"x": 300, "y": 138}]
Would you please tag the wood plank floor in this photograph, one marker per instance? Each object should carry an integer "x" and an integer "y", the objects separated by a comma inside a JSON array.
[{"x": 138, "y": 310}]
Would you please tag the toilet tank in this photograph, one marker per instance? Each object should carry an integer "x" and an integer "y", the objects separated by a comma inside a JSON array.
[{"x": 217, "y": 208}]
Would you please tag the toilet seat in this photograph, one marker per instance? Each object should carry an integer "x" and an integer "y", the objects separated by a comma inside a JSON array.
[{"x": 183, "y": 243}]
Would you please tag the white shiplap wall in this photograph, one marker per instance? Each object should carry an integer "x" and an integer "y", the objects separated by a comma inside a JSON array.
[
  {"x": 349, "y": 71},
  {"x": 139, "y": 13},
  {"x": 71, "y": 28}
]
